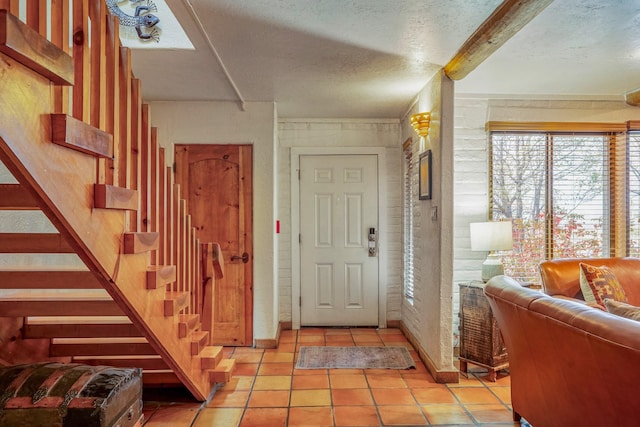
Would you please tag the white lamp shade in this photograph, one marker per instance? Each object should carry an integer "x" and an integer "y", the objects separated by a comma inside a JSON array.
[{"x": 491, "y": 236}]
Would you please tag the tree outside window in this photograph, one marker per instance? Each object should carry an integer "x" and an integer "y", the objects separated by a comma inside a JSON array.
[{"x": 554, "y": 188}]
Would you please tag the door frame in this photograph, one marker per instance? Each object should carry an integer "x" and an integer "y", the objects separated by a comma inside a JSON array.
[{"x": 380, "y": 152}]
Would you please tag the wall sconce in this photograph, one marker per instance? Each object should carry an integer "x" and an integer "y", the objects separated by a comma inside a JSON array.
[{"x": 420, "y": 123}]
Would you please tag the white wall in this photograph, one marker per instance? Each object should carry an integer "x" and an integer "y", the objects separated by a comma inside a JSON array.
[
  {"x": 429, "y": 316},
  {"x": 471, "y": 160},
  {"x": 338, "y": 135},
  {"x": 226, "y": 123}
]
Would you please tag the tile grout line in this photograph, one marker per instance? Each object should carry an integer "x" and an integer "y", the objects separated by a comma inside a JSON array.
[
  {"x": 287, "y": 417},
  {"x": 463, "y": 406}
]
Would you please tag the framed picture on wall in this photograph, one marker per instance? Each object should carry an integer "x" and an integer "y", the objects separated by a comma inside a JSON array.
[{"x": 424, "y": 184}]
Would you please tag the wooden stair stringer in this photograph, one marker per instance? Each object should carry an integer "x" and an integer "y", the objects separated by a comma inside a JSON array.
[{"x": 61, "y": 180}]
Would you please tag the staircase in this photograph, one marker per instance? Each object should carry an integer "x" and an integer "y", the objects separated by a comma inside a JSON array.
[{"x": 105, "y": 267}]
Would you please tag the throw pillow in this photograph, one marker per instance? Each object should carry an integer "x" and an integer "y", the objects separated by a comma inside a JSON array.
[
  {"x": 598, "y": 283},
  {"x": 622, "y": 309}
]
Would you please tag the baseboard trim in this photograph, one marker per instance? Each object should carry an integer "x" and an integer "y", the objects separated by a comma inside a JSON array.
[
  {"x": 272, "y": 342},
  {"x": 440, "y": 376},
  {"x": 395, "y": 324},
  {"x": 286, "y": 326}
]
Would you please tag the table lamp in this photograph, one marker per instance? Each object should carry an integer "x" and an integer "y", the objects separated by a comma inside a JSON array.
[{"x": 491, "y": 236}]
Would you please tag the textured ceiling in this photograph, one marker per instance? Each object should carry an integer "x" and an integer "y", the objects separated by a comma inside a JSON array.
[{"x": 369, "y": 58}]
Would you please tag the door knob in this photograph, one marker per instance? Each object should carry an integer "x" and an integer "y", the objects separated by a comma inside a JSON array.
[{"x": 244, "y": 257}]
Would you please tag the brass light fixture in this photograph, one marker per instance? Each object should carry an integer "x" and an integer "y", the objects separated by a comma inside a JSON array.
[{"x": 420, "y": 123}]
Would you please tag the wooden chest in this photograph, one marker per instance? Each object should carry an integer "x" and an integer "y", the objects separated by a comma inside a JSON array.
[
  {"x": 480, "y": 339},
  {"x": 70, "y": 395}
]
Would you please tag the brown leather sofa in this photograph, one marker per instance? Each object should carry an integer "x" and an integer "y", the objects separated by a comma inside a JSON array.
[
  {"x": 570, "y": 364},
  {"x": 561, "y": 277}
]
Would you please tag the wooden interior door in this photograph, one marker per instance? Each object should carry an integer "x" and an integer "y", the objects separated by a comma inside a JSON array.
[{"x": 216, "y": 181}]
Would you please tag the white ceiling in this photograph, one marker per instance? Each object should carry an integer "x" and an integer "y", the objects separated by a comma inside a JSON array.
[{"x": 369, "y": 58}]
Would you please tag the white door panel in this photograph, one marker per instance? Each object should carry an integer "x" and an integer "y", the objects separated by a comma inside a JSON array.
[{"x": 338, "y": 205}]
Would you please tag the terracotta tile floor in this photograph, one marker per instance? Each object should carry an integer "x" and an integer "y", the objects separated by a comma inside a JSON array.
[{"x": 267, "y": 390}]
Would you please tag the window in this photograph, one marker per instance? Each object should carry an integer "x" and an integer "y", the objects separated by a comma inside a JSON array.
[
  {"x": 409, "y": 200},
  {"x": 633, "y": 183},
  {"x": 556, "y": 187}
]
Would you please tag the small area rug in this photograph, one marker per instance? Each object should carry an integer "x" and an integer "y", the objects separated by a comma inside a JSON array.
[{"x": 364, "y": 357}]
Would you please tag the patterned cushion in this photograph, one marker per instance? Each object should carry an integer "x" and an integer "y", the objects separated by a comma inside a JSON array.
[
  {"x": 621, "y": 309},
  {"x": 598, "y": 283}
]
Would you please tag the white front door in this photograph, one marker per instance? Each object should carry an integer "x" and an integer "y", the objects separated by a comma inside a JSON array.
[{"x": 338, "y": 207}]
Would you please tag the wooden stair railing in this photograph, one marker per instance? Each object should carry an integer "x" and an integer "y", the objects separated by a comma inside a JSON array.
[{"x": 87, "y": 157}]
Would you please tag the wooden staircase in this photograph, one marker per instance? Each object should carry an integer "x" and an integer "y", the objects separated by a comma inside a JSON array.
[{"x": 75, "y": 137}]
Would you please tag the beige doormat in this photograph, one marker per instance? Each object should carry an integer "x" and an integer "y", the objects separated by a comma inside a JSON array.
[{"x": 354, "y": 357}]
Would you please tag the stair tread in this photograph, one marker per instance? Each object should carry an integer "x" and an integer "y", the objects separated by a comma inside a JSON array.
[
  {"x": 160, "y": 275},
  {"x": 190, "y": 319},
  {"x": 52, "y": 302},
  {"x": 112, "y": 197},
  {"x": 34, "y": 243},
  {"x": 187, "y": 323},
  {"x": 198, "y": 341},
  {"x": 223, "y": 372},
  {"x": 43, "y": 294},
  {"x": 16, "y": 197},
  {"x": 176, "y": 294},
  {"x": 174, "y": 302},
  {"x": 226, "y": 365},
  {"x": 78, "y": 320},
  {"x": 99, "y": 341},
  {"x": 80, "y": 330},
  {"x": 22, "y": 278},
  {"x": 210, "y": 357},
  {"x": 199, "y": 335},
  {"x": 179, "y": 297},
  {"x": 29, "y": 48},
  {"x": 80, "y": 136},
  {"x": 100, "y": 347},
  {"x": 135, "y": 243},
  {"x": 211, "y": 351}
]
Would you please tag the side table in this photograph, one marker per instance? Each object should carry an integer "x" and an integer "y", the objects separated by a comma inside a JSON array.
[{"x": 480, "y": 340}]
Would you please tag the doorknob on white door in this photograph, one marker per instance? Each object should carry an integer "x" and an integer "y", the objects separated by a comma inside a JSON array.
[{"x": 373, "y": 242}]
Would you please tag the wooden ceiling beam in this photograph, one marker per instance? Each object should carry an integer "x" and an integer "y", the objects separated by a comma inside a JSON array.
[
  {"x": 633, "y": 97},
  {"x": 509, "y": 18}
]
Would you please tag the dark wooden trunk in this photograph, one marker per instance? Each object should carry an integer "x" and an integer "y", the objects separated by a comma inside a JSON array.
[{"x": 70, "y": 395}]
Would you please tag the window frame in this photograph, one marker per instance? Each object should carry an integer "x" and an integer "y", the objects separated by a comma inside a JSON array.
[{"x": 611, "y": 164}]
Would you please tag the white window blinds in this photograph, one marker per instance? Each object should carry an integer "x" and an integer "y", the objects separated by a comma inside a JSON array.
[
  {"x": 409, "y": 199},
  {"x": 555, "y": 188}
]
